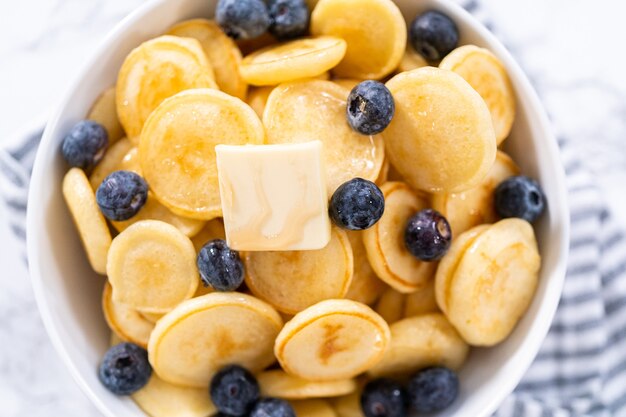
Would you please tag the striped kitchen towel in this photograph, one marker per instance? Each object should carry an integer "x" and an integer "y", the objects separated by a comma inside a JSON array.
[{"x": 581, "y": 367}]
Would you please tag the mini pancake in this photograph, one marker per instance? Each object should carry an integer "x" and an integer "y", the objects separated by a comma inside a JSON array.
[
  {"x": 334, "y": 339},
  {"x": 154, "y": 317},
  {"x": 277, "y": 383},
  {"x": 293, "y": 60},
  {"x": 222, "y": 52},
  {"x": 487, "y": 75},
  {"x": 200, "y": 336},
  {"x": 123, "y": 156},
  {"x": 312, "y": 408},
  {"x": 130, "y": 161},
  {"x": 104, "y": 111},
  {"x": 294, "y": 280},
  {"x": 494, "y": 282},
  {"x": 92, "y": 227},
  {"x": 348, "y": 83},
  {"x": 383, "y": 175},
  {"x": 153, "y": 210},
  {"x": 200, "y": 291},
  {"x": 155, "y": 70},
  {"x": 257, "y": 98},
  {"x": 348, "y": 405},
  {"x": 419, "y": 342},
  {"x": 390, "y": 305},
  {"x": 110, "y": 162},
  {"x": 316, "y": 110},
  {"x": 365, "y": 288},
  {"x": 213, "y": 229},
  {"x": 450, "y": 262},
  {"x": 475, "y": 206},
  {"x": 162, "y": 399},
  {"x": 411, "y": 60},
  {"x": 152, "y": 267},
  {"x": 384, "y": 242},
  {"x": 177, "y": 148},
  {"x": 129, "y": 324},
  {"x": 441, "y": 137},
  {"x": 422, "y": 301},
  {"x": 374, "y": 50}
]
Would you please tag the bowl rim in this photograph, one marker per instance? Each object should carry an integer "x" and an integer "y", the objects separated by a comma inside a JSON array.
[{"x": 546, "y": 310}]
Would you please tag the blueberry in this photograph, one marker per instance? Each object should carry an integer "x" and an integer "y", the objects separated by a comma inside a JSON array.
[
  {"x": 289, "y": 18},
  {"x": 370, "y": 107},
  {"x": 433, "y": 389},
  {"x": 357, "y": 204},
  {"x": 85, "y": 144},
  {"x": 272, "y": 407},
  {"x": 384, "y": 398},
  {"x": 519, "y": 197},
  {"x": 234, "y": 390},
  {"x": 427, "y": 235},
  {"x": 242, "y": 19},
  {"x": 121, "y": 195},
  {"x": 125, "y": 369},
  {"x": 220, "y": 267},
  {"x": 433, "y": 35}
]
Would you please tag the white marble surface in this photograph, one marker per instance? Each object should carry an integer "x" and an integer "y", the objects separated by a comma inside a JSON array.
[{"x": 572, "y": 50}]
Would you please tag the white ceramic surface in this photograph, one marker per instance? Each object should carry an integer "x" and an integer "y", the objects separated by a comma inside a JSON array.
[{"x": 68, "y": 292}]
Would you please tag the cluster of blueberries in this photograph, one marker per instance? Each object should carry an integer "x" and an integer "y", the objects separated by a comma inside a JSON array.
[
  {"x": 235, "y": 391},
  {"x": 248, "y": 19},
  {"x": 123, "y": 193},
  {"x": 429, "y": 390}
]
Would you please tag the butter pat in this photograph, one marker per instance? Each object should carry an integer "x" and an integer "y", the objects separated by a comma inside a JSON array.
[{"x": 274, "y": 197}]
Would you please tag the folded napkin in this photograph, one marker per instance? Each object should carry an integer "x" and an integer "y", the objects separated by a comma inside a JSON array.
[{"x": 581, "y": 367}]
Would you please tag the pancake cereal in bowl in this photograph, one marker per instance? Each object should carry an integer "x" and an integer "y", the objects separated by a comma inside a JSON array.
[{"x": 326, "y": 224}]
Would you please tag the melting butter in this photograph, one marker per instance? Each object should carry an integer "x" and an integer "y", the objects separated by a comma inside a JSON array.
[{"x": 274, "y": 197}]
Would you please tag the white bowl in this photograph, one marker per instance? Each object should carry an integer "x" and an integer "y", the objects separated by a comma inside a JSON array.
[{"x": 68, "y": 291}]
